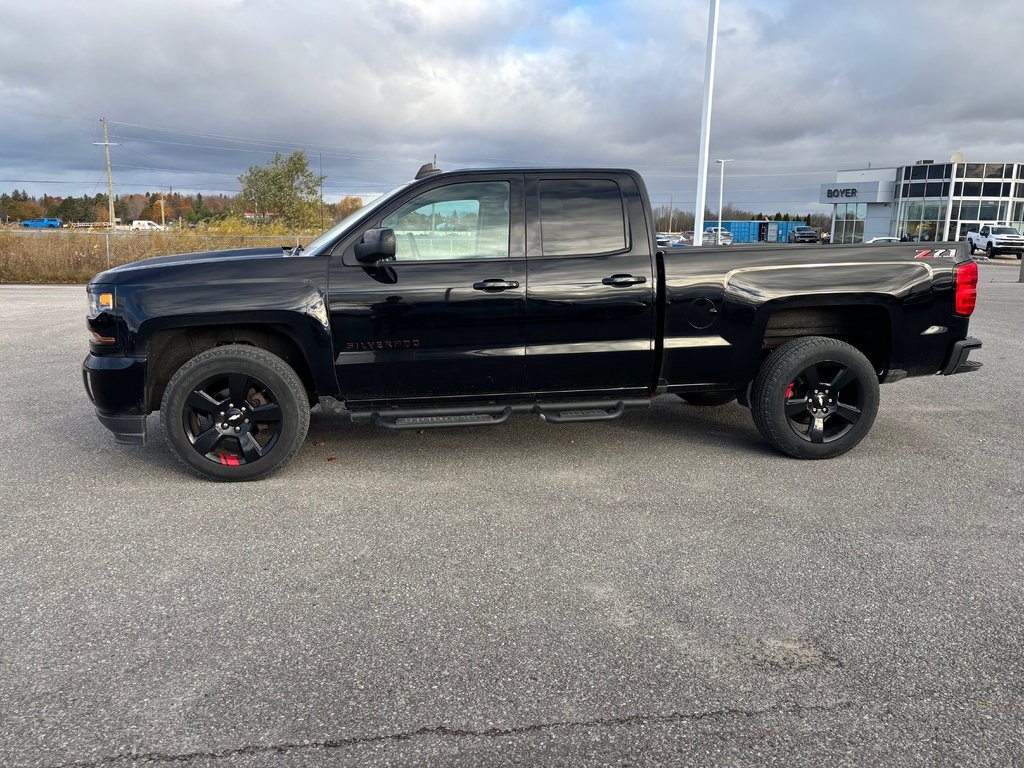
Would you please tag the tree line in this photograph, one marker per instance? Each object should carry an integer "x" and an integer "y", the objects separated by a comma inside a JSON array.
[
  {"x": 668, "y": 219},
  {"x": 284, "y": 190}
]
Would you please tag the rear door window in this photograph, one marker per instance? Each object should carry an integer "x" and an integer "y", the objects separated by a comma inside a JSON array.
[{"x": 582, "y": 217}]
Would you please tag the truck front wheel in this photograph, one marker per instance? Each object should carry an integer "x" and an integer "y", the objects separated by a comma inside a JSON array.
[
  {"x": 235, "y": 413},
  {"x": 815, "y": 397}
]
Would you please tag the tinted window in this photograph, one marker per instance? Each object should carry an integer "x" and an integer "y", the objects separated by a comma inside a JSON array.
[
  {"x": 991, "y": 189},
  {"x": 934, "y": 189},
  {"x": 919, "y": 172},
  {"x": 581, "y": 216},
  {"x": 917, "y": 189},
  {"x": 972, "y": 189},
  {"x": 938, "y": 171},
  {"x": 975, "y": 170},
  {"x": 994, "y": 171},
  {"x": 457, "y": 221}
]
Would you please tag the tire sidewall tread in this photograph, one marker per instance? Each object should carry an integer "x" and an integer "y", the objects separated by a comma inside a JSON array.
[
  {"x": 774, "y": 377},
  {"x": 283, "y": 381}
]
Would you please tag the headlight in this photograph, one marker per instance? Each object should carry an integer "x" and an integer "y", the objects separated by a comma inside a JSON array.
[{"x": 101, "y": 299}]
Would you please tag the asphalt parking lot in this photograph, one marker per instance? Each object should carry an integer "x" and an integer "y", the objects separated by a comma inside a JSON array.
[{"x": 662, "y": 589}]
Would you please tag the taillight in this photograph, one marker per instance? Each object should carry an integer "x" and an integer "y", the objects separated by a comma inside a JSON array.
[{"x": 965, "y": 278}]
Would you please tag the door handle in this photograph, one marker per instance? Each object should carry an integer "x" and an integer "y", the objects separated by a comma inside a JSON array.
[
  {"x": 620, "y": 280},
  {"x": 494, "y": 285}
]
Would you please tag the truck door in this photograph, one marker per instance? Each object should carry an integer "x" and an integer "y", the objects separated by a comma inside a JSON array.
[
  {"x": 590, "y": 298},
  {"x": 446, "y": 317}
]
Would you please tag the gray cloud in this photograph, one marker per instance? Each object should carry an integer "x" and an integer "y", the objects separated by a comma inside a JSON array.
[{"x": 198, "y": 91}]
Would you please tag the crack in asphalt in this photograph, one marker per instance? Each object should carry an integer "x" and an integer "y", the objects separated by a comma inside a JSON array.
[{"x": 789, "y": 707}]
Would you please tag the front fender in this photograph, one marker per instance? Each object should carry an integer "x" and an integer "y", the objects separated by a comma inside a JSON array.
[{"x": 296, "y": 307}]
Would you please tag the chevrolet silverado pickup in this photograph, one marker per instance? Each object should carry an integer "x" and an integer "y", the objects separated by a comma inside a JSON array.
[
  {"x": 994, "y": 239},
  {"x": 462, "y": 298}
]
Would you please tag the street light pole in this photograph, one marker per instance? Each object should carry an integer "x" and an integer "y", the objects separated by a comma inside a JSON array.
[
  {"x": 721, "y": 197},
  {"x": 705, "y": 127}
]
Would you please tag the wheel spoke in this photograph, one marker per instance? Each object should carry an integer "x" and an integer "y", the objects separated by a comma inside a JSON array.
[
  {"x": 816, "y": 430},
  {"x": 200, "y": 401},
  {"x": 269, "y": 412},
  {"x": 250, "y": 448},
  {"x": 848, "y": 413},
  {"x": 207, "y": 441},
  {"x": 812, "y": 378},
  {"x": 796, "y": 407},
  {"x": 844, "y": 377},
  {"x": 239, "y": 384}
]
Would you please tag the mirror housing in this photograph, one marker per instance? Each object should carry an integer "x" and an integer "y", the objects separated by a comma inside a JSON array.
[{"x": 376, "y": 245}]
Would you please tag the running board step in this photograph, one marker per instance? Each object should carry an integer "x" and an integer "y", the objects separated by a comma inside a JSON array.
[
  {"x": 553, "y": 412},
  {"x": 440, "y": 420},
  {"x": 581, "y": 414}
]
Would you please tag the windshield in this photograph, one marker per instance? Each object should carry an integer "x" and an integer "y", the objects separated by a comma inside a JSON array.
[
  {"x": 1004, "y": 231},
  {"x": 353, "y": 218}
]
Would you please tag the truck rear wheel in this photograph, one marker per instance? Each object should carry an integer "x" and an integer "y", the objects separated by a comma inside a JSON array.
[
  {"x": 815, "y": 398},
  {"x": 235, "y": 413},
  {"x": 990, "y": 251},
  {"x": 970, "y": 246}
]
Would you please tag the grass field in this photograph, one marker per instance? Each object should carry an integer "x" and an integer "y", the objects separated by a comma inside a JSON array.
[{"x": 74, "y": 256}]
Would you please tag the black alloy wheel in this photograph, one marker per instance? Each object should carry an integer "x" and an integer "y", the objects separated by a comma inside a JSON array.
[
  {"x": 990, "y": 251},
  {"x": 815, "y": 398},
  {"x": 235, "y": 413}
]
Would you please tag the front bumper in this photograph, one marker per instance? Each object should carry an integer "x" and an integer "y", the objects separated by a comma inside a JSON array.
[
  {"x": 117, "y": 387},
  {"x": 956, "y": 360}
]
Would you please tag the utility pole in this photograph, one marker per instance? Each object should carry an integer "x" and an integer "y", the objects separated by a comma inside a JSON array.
[
  {"x": 671, "y": 210},
  {"x": 321, "y": 191},
  {"x": 110, "y": 179},
  {"x": 705, "y": 127}
]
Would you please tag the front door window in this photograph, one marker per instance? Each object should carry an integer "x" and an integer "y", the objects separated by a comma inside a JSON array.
[{"x": 457, "y": 221}]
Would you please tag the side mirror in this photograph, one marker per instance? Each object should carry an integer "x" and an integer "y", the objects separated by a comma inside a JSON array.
[{"x": 376, "y": 245}]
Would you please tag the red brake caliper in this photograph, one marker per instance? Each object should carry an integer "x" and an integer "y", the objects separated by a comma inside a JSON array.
[{"x": 789, "y": 390}]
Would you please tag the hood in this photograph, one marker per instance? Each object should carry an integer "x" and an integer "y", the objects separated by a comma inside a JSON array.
[{"x": 119, "y": 273}]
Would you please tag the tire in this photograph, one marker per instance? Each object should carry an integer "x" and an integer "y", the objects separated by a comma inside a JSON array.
[
  {"x": 970, "y": 246},
  {"x": 990, "y": 251},
  {"x": 815, "y": 398},
  {"x": 233, "y": 383},
  {"x": 708, "y": 398}
]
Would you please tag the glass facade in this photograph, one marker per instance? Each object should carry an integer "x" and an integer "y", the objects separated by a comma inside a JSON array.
[
  {"x": 944, "y": 201},
  {"x": 849, "y": 223}
]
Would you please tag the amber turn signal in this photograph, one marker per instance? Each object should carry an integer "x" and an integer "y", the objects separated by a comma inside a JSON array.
[{"x": 103, "y": 339}]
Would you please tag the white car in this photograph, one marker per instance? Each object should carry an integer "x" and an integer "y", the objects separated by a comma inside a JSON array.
[
  {"x": 146, "y": 226},
  {"x": 886, "y": 239},
  {"x": 712, "y": 236}
]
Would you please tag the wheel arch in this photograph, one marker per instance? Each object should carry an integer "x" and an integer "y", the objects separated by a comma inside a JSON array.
[
  {"x": 868, "y": 327},
  {"x": 167, "y": 349}
]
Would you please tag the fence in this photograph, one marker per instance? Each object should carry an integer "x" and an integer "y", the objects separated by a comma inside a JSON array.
[{"x": 74, "y": 256}]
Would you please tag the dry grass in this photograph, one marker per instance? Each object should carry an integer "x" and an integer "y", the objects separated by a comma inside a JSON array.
[{"x": 74, "y": 256}]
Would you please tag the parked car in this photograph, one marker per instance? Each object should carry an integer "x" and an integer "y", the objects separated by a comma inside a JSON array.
[
  {"x": 716, "y": 235},
  {"x": 994, "y": 239},
  {"x": 556, "y": 302},
  {"x": 146, "y": 225},
  {"x": 43, "y": 223},
  {"x": 803, "y": 235},
  {"x": 687, "y": 237},
  {"x": 884, "y": 239}
]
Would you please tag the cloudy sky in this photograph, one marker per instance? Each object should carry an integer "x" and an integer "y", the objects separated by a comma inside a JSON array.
[{"x": 196, "y": 91}]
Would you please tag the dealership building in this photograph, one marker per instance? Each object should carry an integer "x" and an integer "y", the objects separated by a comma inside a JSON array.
[{"x": 926, "y": 201}]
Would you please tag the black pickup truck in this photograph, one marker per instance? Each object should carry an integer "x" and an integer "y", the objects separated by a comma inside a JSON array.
[{"x": 464, "y": 297}]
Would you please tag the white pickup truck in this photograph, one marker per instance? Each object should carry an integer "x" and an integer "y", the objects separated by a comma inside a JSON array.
[{"x": 994, "y": 239}]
